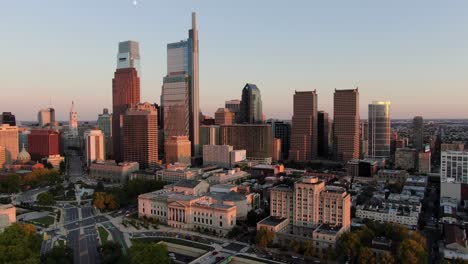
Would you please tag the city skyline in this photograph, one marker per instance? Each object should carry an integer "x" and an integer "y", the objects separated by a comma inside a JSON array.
[{"x": 406, "y": 63}]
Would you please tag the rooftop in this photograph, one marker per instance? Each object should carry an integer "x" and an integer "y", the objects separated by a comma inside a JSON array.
[
  {"x": 272, "y": 221},
  {"x": 187, "y": 183}
]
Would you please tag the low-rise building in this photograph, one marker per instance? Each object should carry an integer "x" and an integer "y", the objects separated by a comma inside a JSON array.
[
  {"x": 230, "y": 176},
  {"x": 391, "y": 176},
  {"x": 177, "y": 172},
  {"x": 7, "y": 216},
  {"x": 455, "y": 243},
  {"x": 406, "y": 159},
  {"x": 222, "y": 155},
  {"x": 110, "y": 171}
]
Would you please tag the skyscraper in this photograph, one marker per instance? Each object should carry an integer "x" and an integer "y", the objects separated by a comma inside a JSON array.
[
  {"x": 323, "y": 134},
  {"x": 73, "y": 123},
  {"x": 140, "y": 135},
  {"x": 346, "y": 124},
  {"x": 304, "y": 127},
  {"x": 180, "y": 92},
  {"x": 178, "y": 149},
  {"x": 234, "y": 106},
  {"x": 418, "y": 133},
  {"x": 8, "y": 118},
  {"x": 94, "y": 146},
  {"x": 125, "y": 89},
  {"x": 251, "y": 105},
  {"x": 379, "y": 130},
  {"x": 104, "y": 123},
  {"x": 9, "y": 141},
  {"x": 46, "y": 117},
  {"x": 43, "y": 143},
  {"x": 224, "y": 116},
  {"x": 209, "y": 135}
]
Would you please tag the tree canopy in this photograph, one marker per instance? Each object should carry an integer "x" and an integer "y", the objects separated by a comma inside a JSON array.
[
  {"x": 20, "y": 244},
  {"x": 58, "y": 255},
  {"x": 147, "y": 253}
]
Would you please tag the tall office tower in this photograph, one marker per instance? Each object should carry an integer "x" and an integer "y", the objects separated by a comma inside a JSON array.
[
  {"x": 46, "y": 117},
  {"x": 379, "y": 130},
  {"x": 224, "y": 116},
  {"x": 453, "y": 173},
  {"x": 304, "y": 127},
  {"x": 23, "y": 139},
  {"x": 94, "y": 146},
  {"x": 125, "y": 90},
  {"x": 43, "y": 143},
  {"x": 180, "y": 91},
  {"x": 282, "y": 130},
  {"x": 256, "y": 139},
  {"x": 323, "y": 134},
  {"x": 346, "y": 128},
  {"x": 140, "y": 135},
  {"x": 251, "y": 105},
  {"x": 418, "y": 133},
  {"x": 209, "y": 135},
  {"x": 364, "y": 139},
  {"x": 7, "y": 118},
  {"x": 234, "y": 106},
  {"x": 73, "y": 123},
  {"x": 9, "y": 141},
  {"x": 178, "y": 149},
  {"x": 104, "y": 123}
]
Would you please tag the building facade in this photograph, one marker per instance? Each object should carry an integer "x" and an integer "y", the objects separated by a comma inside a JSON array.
[
  {"x": 323, "y": 134},
  {"x": 256, "y": 139},
  {"x": 418, "y": 133},
  {"x": 43, "y": 143},
  {"x": 304, "y": 136},
  {"x": 209, "y": 135},
  {"x": 113, "y": 172},
  {"x": 346, "y": 124},
  {"x": 282, "y": 130},
  {"x": 46, "y": 117},
  {"x": 9, "y": 141},
  {"x": 178, "y": 150},
  {"x": 222, "y": 155},
  {"x": 104, "y": 123},
  {"x": 140, "y": 135},
  {"x": 94, "y": 146},
  {"x": 224, "y": 116}
]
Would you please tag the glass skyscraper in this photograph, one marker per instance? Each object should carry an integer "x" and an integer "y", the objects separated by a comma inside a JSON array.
[
  {"x": 379, "y": 130},
  {"x": 180, "y": 93},
  {"x": 251, "y": 105}
]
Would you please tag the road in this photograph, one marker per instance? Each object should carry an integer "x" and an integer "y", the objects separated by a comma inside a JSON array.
[
  {"x": 116, "y": 235},
  {"x": 75, "y": 169},
  {"x": 30, "y": 196}
]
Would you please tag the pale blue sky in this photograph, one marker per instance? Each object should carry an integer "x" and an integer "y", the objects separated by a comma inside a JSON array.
[{"x": 413, "y": 53}]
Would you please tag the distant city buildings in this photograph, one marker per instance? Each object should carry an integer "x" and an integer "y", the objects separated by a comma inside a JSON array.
[
  {"x": 224, "y": 116},
  {"x": 222, "y": 155},
  {"x": 8, "y": 118},
  {"x": 304, "y": 127},
  {"x": 111, "y": 172},
  {"x": 346, "y": 124},
  {"x": 282, "y": 131},
  {"x": 324, "y": 134},
  {"x": 406, "y": 159},
  {"x": 209, "y": 135},
  {"x": 418, "y": 133},
  {"x": 46, "y": 117},
  {"x": 234, "y": 106},
  {"x": 125, "y": 90},
  {"x": 104, "y": 123},
  {"x": 453, "y": 174},
  {"x": 251, "y": 109},
  {"x": 9, "y": 142},
  {"x": 379, "y": 130}
]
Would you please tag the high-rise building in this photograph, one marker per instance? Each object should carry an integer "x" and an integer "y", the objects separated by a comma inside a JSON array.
[
  {"x": 234, "y": 106},
  {"x": 23, "y": 139},
  {"x": 346, "y": 124},
  {"x": 424, "y": 162},
  {"x": 323, "y": 134},
  {"x": 46, "y": 117},
  {"x": 94, "y": 146},
  {"x": 180, "y": 92},
  {"x": 251, "y": 105},
  {"x": 9, "y": 141},
  {"x": 379, "y": 130},
  {"x": 304, "y": 127},
  {"x": 43, "y": 143},
  {"x": 453, "y": 174},
  {"x": 104, "y": 123},
  {"x": 224, "y": 116},
  {"x": 125, "y": 90},
  {"x": 276, "y": 149},
  {"x": 178, "y": 150},
  {"x": 7, "y": 118},
  {"x": 282, "y": 130},
  {"x": 256, "y": 139},
  {"x": 209, "y": 135},
  {"x": 364, "y": 139},
  {"x": 222, "y": 155},
  {"x": 418, "y": 133},
  {"x": 140, "y": 135},
  {"x": 73, "y": 123}
]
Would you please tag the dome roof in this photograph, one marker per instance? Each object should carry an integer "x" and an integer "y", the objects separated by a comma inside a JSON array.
[{"x": 24, "y": 156}]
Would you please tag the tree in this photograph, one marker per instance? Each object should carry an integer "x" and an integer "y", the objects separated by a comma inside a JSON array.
[
  {"x": 264, "y": 237},
  {"x": 144, "y": 253},
  {"x": 105, "y": 201},
  {"x": 386, "y": 258},
  {"x": 19, "y": 243},
  {"x": 366, "y": 256},
  {"x": 348, "y": 246},
  {"x": 45, "y": 199},
  {"x": 62, "y": 167},
  {"x": 99, "y": 187},
  {"x": 58, "y": 255},
  {"x": 13, "y": 183},
  {"x": 411, "y": 252},
  {"x": 235, "y": 231},
  {"x": 110, "y": 253}
]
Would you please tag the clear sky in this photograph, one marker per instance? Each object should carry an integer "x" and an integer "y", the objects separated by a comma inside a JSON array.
[{"x": 413, "y": 53}]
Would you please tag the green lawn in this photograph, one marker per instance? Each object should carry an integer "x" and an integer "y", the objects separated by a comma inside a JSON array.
[
  {"x": 45, "y": 221},
  {"x": 103, "y": 234}
]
